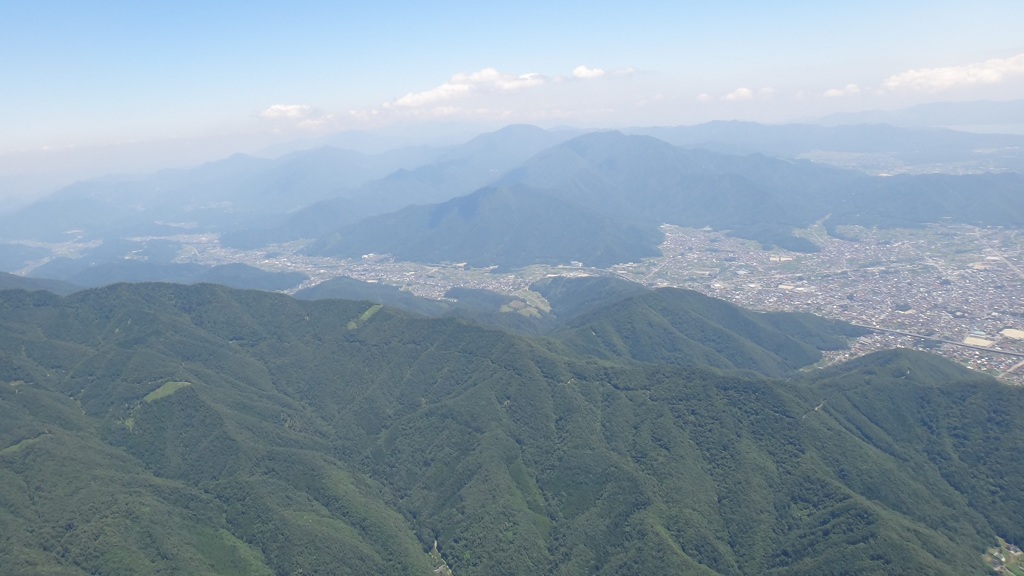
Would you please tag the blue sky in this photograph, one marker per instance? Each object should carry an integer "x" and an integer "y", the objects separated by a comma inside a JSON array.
[{"x": 77, "y": 73}]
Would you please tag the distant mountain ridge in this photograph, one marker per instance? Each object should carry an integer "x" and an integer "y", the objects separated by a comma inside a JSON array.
[
  {"x": 455, "y": 172},
  {"x": 523, "y": 195},
  {"x": 989, "y": 113},
  {"x": 15, "y": 282},
  {"x": 914, "y": 144},
  {"x": 239, "y": 191},
  {"x": 599, "y": 199}
]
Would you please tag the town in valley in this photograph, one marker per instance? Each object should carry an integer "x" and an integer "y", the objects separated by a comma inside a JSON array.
[{"x": 954, "y": 290}]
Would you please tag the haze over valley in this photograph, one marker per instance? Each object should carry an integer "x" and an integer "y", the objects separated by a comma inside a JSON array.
[
  {"x": 512, "y": 289},
  {"x": 767, "y": 230}
]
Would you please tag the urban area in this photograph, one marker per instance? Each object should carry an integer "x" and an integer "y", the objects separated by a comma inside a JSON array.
[{"x": 957, "y": 291}]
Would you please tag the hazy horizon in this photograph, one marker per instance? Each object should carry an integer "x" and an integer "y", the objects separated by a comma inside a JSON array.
[{"x": 126, "y": 88}]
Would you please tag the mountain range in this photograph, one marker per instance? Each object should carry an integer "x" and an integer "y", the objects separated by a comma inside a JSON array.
[
  {"x": 158, "y": 428},
  {"x": 524, "y": 195},
  {"x": 600, "y": 198},
  {"x": 162, "y": 412}
]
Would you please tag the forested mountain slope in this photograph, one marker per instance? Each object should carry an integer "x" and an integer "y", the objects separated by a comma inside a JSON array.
[{"x": 197, "y": 429}]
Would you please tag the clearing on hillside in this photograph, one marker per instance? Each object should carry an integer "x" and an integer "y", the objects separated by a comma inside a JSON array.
[
  {"x": 165, "y": 390},
  {"x": 354, "y": 324}
]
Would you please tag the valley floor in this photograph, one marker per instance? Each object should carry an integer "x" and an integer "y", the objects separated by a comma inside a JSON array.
[{"x": 957, "y": 291}]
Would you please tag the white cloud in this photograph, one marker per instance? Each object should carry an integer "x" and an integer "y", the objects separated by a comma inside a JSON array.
[
  {"x": 493, "y": 95},
  {"x": 583, "y": 72},
  {"x": 704, "y": 97},
  {"x": 743, "y": 94},
  {"x": 302, "y": 116},
  {"x": 519, "y": 82},
  {"x": 740, "y": 94},
  {"x": 444, "y": 92},
  {"x": 848, "y": 90},
  {"x": 287, "y": 112},
  {"x": 464, "y": 84},
  {"x": 991, "y": 71}
]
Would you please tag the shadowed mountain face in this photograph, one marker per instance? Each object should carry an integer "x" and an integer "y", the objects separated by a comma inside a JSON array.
[
  {"x": 456, "y": 172},
  {"x": 510, "y": 227},
  {"x": 599, "y": 199},
  {"x": 753, "y": 194},
  {"x": 198, "y": 429}
]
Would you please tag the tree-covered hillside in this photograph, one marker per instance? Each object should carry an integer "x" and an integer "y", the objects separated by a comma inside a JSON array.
[{"x": 172, "y": 429}]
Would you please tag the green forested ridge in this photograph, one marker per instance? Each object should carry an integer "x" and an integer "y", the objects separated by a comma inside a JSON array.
[
  {"x": 570, "y": 297},
  {"x": 479, "y": 306},
  {"x": 684, "y": 327},
  {"x": 301, "y": 445}
]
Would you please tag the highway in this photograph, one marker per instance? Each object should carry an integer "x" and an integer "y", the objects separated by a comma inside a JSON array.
[{"x": 951, "y": 342}]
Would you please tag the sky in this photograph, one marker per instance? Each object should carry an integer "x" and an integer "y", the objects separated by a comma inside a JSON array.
[{"x": 102, "y": 78}]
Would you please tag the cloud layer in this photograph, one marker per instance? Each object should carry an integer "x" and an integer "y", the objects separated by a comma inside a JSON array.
[
  {"x": 991, "y": 71},
  {"x": 586, "y": 94}
]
